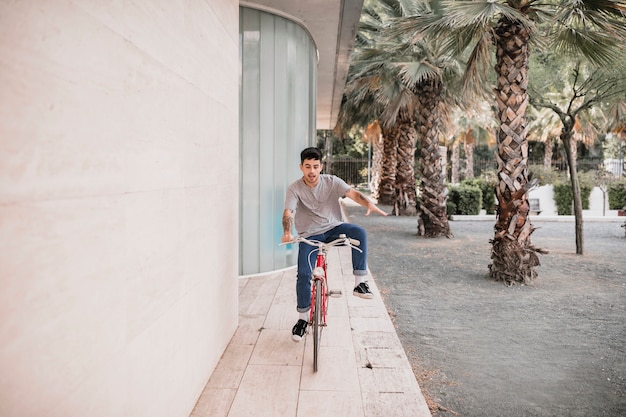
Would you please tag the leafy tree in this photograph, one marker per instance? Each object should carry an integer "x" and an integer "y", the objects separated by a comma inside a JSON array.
[{"x": 589, "y": 88}]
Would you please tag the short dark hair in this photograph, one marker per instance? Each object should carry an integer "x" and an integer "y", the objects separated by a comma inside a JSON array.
[{"x": 310, "y": 153}]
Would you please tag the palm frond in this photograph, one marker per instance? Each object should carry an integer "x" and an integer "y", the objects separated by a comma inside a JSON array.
[
  {"x": 414, "y": 72},
  {"x": 474, "y": 77},
  {"x": 466, "y": 13},
  {"x": 598, "y": 47},
  {"x": 595, "y": 29}
]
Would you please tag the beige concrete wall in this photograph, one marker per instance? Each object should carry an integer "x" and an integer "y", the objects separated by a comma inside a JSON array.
[{"x": 118, "y": 204}]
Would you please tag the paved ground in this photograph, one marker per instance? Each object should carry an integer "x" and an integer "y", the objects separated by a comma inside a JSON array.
[
  {"x": 482, "y": 349},
  {"x": 363, "y": 369}
]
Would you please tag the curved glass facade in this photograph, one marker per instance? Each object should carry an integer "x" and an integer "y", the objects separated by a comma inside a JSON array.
[{"x": 277, "y": 120}]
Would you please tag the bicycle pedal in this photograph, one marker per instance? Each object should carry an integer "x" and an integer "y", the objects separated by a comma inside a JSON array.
[{"x": 335, "y": 293}]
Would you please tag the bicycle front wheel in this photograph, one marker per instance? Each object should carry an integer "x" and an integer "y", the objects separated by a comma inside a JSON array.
[{"x": 317, "y": 322}]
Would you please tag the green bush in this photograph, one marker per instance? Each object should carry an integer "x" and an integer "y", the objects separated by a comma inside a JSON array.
[
  {"x": 487, "y": 188},
  {"x": 564, "y": 198},
  {"x": 617, "y": 195},
  {"x": 450, "y": 208},
  {"x": 467, "y": 199}
]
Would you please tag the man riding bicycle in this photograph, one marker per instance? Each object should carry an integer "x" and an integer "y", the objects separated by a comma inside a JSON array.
[{"x": 313, "y": 201}]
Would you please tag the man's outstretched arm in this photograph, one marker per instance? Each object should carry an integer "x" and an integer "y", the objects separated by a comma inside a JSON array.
[{"x": 360, "y": 198}]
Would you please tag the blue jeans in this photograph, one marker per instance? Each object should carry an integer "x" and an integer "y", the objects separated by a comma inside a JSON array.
[{"x": 359, "y": 260}]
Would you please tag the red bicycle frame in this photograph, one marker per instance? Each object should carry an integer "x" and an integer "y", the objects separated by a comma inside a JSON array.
[
  {"x": 320, "y": 262},
  {"x": 319, "y": 286}
]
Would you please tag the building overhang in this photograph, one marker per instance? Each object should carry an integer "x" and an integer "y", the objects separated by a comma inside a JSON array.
[{"x": 333, "y": 25}]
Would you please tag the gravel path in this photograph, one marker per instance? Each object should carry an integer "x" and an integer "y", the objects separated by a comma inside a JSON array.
[{"x": 482, "y": 349}]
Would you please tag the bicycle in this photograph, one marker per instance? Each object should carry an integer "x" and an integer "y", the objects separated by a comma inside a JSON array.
[{"x": 319, "y": 304}]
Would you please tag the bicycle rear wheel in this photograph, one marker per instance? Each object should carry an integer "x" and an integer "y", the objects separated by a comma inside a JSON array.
[{"x": 317, "y": 322}]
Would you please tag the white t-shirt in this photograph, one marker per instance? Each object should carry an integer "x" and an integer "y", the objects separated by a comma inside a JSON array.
[{"x": 317, "y": 209}]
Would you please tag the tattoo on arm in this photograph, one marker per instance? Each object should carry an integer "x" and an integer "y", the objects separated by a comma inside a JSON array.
[
  {"x": 361, "y": 199},
  {"x": 287, "y": 220}
]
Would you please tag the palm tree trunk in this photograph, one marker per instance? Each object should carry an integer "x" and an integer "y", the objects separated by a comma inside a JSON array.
[
  {"x": 432, "y": 217},
  {"x": 456, "y": 159},
  {"x": 405, "y": 197},
  {"x": 328, "y": 163},
  {"x": 513, "y": 257},
  {"x": 375, "y": 139},
  {"x": 386, "y": 188}
]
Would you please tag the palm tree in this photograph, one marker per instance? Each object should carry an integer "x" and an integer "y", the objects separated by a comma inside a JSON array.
[
  {"x": 426, "y": 70},
  {"x": 472, "y": 126},
  {"x": 375, "y": 90},
  {"x": 387, "y": 185},
  {"x": 433, "y": 219},
  {"x": 405, "y": 193},
  {"x": 402, "y": 76},
  {"x": 455, "y": 159},
  {"x": 509, "y": 25},
  {"x": 374, "y": 137}
]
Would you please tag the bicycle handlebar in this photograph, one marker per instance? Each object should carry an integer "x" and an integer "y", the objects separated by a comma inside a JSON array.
[{"x": 343, "y": 240}]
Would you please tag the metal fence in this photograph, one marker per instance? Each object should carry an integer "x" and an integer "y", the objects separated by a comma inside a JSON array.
[
  {"x": 615, "y": 166},
  {"x": 354, "y": 171}
]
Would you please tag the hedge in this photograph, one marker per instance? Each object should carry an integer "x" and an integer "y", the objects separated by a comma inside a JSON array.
[
  {"x": 617, "y": 196},
  {"x": 564, "y": 198},
  {"x": 464, "y": 200},
  {"x": 488, "y": 200}
]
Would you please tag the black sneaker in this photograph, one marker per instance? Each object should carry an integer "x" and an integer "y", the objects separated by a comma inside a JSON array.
[
  {"x": 299, "y": 330},
  {"x": 363, "y": 290}
]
